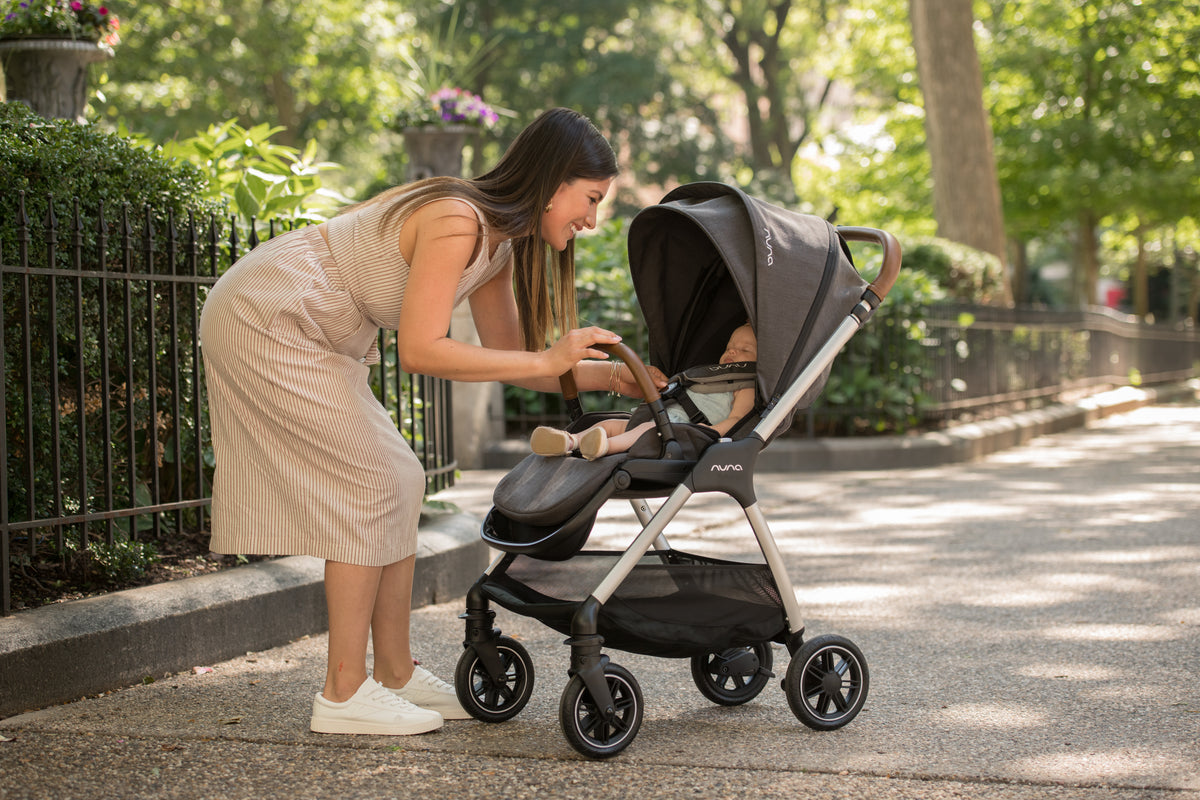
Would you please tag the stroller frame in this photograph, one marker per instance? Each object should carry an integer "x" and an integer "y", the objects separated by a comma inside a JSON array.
[{"x": 601, "y": 707}]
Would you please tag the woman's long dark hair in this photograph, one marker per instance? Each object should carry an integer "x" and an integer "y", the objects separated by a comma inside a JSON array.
[{"x": 558, "y": 147}]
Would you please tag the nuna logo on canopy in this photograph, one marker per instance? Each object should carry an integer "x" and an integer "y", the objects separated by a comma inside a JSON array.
[
  {"x": 770, "y": 249},
  {"x": 725, "y": 468}
]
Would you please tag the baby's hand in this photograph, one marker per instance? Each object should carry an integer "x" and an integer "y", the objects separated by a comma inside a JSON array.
[{"x": 629, "y": 385}]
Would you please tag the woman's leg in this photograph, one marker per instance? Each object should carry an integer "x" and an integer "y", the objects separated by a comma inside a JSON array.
[
  {"x": 390, "y": 624},
  {"x": 394, "y": 665},
  {"x": 350, "y": 595}
]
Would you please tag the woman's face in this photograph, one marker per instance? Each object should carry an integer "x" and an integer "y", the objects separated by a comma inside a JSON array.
[{"x": 572, "y": 209}]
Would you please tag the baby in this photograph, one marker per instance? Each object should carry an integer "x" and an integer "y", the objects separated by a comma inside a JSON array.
[{"x": 612, "y": 436}]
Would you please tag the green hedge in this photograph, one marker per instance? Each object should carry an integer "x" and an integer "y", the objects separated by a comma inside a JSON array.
[
  {"x": 964, "y": 273},
  {"x": 55, "y": 162}
]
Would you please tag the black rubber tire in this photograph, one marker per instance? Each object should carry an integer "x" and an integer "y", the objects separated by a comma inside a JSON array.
[
  {"x": 827, "y": 682},
  {"x": 731, "y": 690},
  {"x": 488, "y": 700},
  {"x": 582, "y": 725}
]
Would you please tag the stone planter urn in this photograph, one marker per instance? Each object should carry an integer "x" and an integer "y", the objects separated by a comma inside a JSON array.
[
  {"x": 435, "y": 150},
  {"x": 50, "y": 75}
]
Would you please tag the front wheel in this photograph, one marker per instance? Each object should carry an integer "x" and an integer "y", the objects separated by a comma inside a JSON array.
[
  {"x": 498, "y": 698},
  {"x": 587, "y": 729},
  {"x": 826, "y": 682}
]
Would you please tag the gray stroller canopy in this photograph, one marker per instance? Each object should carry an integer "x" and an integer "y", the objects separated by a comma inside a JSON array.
[{"x": 709, "y": 257}]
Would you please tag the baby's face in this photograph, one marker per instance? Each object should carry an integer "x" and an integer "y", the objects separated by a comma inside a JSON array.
[{"x": 742, "y": 346}]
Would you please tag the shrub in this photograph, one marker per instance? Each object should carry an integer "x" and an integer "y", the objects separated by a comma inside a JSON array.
[
  {"x": 61, "y": 158},
  {"x": 71, "y": 379},
  {"x": 966, "y": 274},
  {"x": 877, "y": 382}
]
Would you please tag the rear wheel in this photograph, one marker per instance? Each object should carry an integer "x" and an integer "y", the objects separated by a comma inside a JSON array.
[
  {"x": 733, "y": 676},
  {"x": 827, "y": 682},
  {"x": 500, "y": 698},
  {"x": 585, "y": 725}
]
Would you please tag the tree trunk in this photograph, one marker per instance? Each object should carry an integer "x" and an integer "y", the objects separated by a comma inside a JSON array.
[
  {"x": 966, "y": 191},
  {"x": 1088, "y": 271},
  {"x": 1141, "y": 277}
]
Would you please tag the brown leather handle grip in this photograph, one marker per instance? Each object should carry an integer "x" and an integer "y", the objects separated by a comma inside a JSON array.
[
  {"x": 622, "y": 351},
  {"x": 891, "y": 255}
]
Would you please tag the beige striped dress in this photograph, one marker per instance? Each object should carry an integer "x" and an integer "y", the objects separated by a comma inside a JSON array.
[{"x": 307, "y": 460}]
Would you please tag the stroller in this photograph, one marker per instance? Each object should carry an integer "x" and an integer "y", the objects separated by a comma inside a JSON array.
[{"x": 704, "y": 260}]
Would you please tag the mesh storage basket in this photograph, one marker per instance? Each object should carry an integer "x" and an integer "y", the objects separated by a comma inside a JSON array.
[{"x": 673, "y": 604}]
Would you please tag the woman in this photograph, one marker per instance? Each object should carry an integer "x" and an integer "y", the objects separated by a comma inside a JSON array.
[{"x": 308, "y": 461}]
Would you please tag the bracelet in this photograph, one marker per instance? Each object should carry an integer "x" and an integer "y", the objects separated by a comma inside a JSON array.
[{"x": 614, "y": 380}]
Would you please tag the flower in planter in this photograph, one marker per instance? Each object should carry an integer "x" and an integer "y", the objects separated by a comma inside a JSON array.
[
  {"x": 75, "y": 19},
  {"x": 448, "y": 107}
]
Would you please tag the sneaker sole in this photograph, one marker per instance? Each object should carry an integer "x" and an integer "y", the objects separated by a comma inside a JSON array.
[{"x": 373, "y": 729}]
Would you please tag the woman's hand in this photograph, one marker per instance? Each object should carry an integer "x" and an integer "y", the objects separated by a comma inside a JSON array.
[{"x": 577, "y": 345}]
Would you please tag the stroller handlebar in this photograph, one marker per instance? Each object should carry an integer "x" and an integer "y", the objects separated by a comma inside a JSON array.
[
  {"x": 624, "y": 352},
  {"x": 891, "y": 255}
]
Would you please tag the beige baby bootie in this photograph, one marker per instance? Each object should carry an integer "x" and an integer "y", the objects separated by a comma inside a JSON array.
[
  {"x": 593, "y": 444},
  {"x": 547, "y": 441}
]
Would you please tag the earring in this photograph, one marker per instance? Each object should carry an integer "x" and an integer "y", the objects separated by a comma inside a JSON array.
[{"x": 549, "y": 206}]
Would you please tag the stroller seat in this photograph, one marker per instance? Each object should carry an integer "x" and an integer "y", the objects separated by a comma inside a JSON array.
[{"x": 545, "y": 506}]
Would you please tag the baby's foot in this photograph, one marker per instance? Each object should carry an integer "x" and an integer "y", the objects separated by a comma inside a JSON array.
[
  {"x": 593, "y": 444},
  {"x": 551, "y": 442}
]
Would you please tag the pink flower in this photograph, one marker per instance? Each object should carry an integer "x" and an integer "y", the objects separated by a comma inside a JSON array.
[{"x": 76, "y": 6}]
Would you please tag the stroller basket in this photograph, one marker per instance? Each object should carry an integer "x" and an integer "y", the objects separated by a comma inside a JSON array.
[{"x": 673, "y": 604}]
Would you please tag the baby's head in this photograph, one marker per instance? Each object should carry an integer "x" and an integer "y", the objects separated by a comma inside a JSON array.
[{"x": 742, "y": 346}]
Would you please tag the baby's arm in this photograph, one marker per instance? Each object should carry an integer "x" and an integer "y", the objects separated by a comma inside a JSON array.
[{"x": 743, "y": 404}]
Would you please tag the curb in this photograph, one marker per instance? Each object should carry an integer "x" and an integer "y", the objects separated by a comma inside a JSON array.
[{"x": 61, "y": 652}]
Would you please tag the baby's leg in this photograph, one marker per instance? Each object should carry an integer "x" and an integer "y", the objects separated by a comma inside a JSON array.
[
  {"x": 624, "y": 440},
  {"x": 604, "y": 439}
]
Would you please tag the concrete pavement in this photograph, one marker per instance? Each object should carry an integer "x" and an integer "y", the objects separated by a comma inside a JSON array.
[{"x": 1031, "y": 621}]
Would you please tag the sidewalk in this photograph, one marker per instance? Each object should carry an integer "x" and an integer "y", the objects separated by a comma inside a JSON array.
[
  {"x": 1031, "y": 621},
  {"x": 65, "y": 651}
]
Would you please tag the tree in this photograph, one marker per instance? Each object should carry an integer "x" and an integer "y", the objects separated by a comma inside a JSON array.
[
  {"x": 966, "y": 192},
  {"x": 1095, "y": 106},
  {"x": 320, "y": 71}
]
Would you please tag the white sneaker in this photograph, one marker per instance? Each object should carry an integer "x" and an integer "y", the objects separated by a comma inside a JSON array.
[
  {"x": 426, "y": 690},
  {"x": 372, "y": 710}
]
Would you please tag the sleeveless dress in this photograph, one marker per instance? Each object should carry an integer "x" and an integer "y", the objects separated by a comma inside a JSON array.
[{"x": 307, "y": 460}]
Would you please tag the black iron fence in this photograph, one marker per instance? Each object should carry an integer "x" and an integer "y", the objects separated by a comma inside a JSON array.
[{"x": 106, "y": 431}]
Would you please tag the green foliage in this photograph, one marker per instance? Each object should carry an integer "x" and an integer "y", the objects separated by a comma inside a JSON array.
[
  {"x": 323, "y": 71},
  {"x": 966, "y": 274},
  {"x": 64, "y": 337},
  {"x": 62, "y": 159},
  {"x": 877, "y": 384},
  {"x": 120, "y": 563},
  {"x": 255, "y": 178}
]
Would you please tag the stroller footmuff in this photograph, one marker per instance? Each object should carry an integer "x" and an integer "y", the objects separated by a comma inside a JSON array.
[{"x": 704, "y": 261}]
